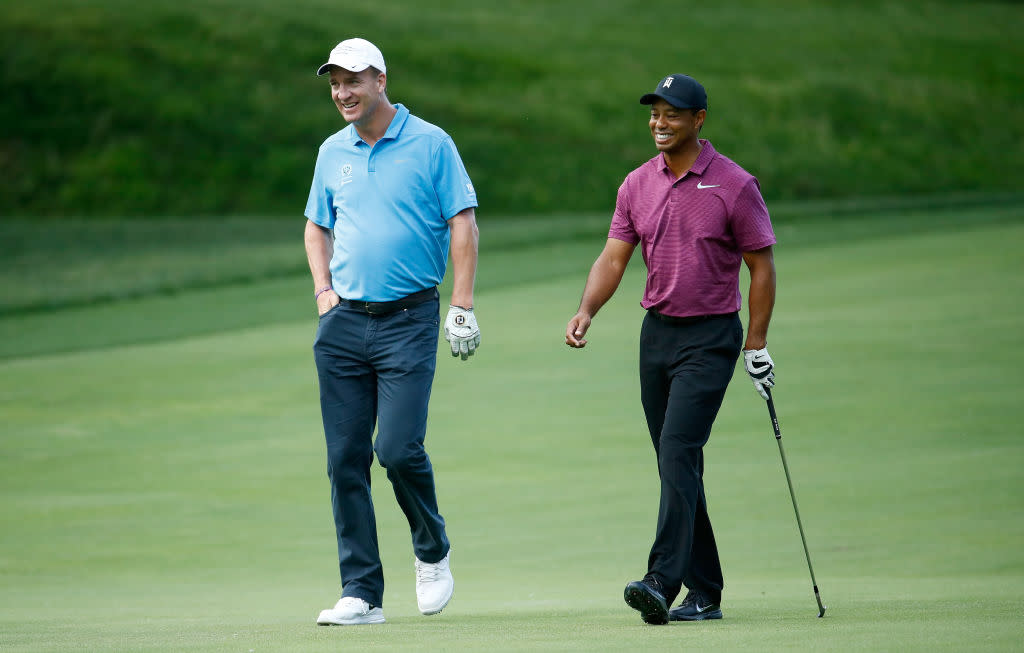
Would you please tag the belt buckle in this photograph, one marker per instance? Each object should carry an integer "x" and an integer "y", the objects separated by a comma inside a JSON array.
[{"x": 370, "y": 308}]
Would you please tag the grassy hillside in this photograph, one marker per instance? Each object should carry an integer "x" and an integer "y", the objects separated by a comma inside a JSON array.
[
  {"x": 170, "y": 495},
  {"x": 161, "y": 107}
]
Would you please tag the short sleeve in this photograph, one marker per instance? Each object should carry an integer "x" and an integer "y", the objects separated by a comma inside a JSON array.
[
  {"x": 622, "y": 227},
  {"x": 751, "y": 225},
  {"x": 320, "y": 202},
  {"x": 455, "y": 191}
]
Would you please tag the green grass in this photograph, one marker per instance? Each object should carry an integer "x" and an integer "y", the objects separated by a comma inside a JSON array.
[
  {"x": 170, "y": 108},
  {"x": 164, "y": 489},
  {"x": 111, "y": 259}
]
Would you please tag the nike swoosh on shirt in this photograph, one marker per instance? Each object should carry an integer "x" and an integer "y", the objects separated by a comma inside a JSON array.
[{"x": 702, "y": 186}]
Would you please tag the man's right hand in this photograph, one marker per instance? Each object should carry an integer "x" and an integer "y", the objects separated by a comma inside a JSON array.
[
  {"x": 576, "y": 329},
  {"x": 327, "y": 300}
]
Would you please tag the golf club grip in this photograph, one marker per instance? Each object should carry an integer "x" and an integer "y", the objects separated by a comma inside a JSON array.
[{"x": 771, "y": 412}]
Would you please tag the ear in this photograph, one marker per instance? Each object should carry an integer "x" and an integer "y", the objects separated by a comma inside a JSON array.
[{"x": 698, "y": 118}]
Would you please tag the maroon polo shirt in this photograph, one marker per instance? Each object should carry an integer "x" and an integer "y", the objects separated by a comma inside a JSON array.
[{"x": 692, "y": 231}]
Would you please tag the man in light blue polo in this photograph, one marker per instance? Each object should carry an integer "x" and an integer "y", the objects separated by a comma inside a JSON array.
[{"x": 390, "y": 200}]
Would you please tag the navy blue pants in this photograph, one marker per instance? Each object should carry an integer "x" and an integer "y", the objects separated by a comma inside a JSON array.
[
  {"x": 377, "y": 371},
  {"x": 685, "y": 369}
]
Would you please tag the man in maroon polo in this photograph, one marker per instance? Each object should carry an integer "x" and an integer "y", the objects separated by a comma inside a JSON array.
[{"x": 695, "y": 215}]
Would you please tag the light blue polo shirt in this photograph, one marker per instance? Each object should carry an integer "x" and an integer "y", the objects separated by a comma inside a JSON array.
[{"x": 389, "y": 207}]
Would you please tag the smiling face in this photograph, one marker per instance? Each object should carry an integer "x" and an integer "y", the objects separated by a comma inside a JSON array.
[
  {"x": 675, "y": 130},
  {"x": 357, "y": 95}
]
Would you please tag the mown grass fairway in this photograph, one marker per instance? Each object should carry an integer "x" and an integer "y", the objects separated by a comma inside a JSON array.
[{"x": 171, "y": 495}]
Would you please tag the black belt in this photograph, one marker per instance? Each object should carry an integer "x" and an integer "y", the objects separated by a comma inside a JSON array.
[
  {"x": 691, "y": 319},
  {"x": 383, "y": 308}
]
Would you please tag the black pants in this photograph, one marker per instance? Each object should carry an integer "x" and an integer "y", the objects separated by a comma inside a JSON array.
[{"x": 685, "y": 368}]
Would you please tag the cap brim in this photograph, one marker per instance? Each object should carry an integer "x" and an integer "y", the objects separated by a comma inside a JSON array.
[
  {"x": 347, "y": 65},
  {"x": 651, "y": 98}
]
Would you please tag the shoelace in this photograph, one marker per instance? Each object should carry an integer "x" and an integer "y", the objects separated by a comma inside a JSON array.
[
  {"x": 654, "y": 584},
  {"x": 356, "y": 603},
  {"x": 427, "y": 572},
  {"x": 689, "y": 599}
]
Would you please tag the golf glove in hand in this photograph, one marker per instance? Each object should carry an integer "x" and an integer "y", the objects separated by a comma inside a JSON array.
[
  {"x": 761, "y": 369},
  {"x": 461, "y": 331}
]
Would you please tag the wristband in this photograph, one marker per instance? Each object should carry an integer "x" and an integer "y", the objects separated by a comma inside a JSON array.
[{"x": 320, "y": 291}]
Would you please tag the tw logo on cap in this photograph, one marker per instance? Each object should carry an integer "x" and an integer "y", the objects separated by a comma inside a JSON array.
[{"x": 681, "y": 91}]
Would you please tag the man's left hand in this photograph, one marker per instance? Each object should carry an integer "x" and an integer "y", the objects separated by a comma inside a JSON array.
[
  {"x": 761, "y": 368},
  {"x": 461, "y": 331}
]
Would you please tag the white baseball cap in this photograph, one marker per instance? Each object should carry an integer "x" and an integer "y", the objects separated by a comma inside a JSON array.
[{"x": 355, "y": 55}]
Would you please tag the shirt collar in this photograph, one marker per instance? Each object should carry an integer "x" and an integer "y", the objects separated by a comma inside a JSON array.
[
  {"x": 707, "y": 153},
  {"x": 397, "y": 122},
  {"x": 394, "y": 128}
]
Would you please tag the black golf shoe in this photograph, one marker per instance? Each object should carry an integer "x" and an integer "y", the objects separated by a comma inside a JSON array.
[
  {"x": 646, "y": 597},
  {"x": 695, "y": 607}
]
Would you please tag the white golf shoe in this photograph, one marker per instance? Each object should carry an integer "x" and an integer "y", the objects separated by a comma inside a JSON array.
[
  {"x": 434, "y": 585},
  {"x": 350, "y": 611}
]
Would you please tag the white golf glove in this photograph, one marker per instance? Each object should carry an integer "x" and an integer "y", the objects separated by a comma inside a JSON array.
[
  {"x": 761, "y": 369},
  {"x": 461, "y": 331}
]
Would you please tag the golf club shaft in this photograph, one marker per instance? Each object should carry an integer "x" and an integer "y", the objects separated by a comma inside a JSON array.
[{"x": 792, "y": 495}]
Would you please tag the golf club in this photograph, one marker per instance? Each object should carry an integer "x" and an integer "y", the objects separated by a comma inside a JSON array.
[{"x": 789, "y": 481}]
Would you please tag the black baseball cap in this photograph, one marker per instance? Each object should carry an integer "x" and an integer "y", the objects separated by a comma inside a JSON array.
[{"x": 681, "y": 91}]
